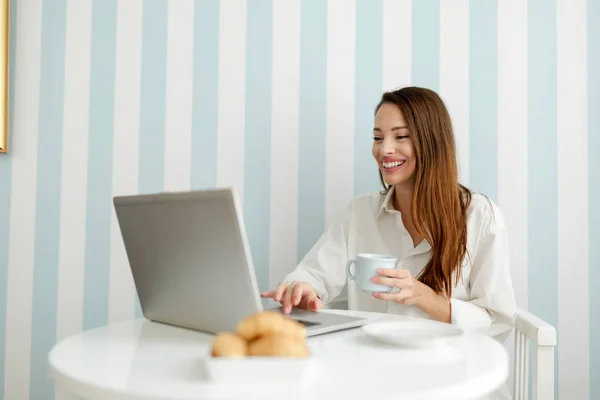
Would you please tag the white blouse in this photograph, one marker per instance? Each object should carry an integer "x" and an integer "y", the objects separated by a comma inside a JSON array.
[{"x": 370, "y": 224}]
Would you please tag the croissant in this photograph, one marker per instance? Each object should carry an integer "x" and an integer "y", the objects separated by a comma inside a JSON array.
[{"x": 267, "y": 334}]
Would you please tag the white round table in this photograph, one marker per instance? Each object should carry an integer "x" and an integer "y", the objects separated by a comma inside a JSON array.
[{"x": 141, "y": 359}]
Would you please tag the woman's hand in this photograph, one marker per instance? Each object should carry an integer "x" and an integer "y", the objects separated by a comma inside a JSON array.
[
  {"x": 413, "y": 292},
  {"x": 411, "y": 289},
  {"x": 298, "y": 294}
]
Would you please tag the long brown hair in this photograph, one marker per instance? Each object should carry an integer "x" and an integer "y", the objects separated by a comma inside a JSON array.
[{"x": 439, "y": 201}]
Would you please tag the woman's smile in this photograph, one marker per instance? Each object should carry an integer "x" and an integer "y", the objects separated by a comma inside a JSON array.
[{"x": 389, "y": 166}]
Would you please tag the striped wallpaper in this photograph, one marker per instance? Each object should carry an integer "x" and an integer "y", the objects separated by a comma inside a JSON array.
[{"x": 276, "y": 98}]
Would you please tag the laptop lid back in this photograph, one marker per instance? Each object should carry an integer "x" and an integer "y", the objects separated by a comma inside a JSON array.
[{"x": 189, "y": 257}]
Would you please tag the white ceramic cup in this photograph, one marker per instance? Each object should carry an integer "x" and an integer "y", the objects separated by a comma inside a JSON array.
[{"x": 365, "y": 268}]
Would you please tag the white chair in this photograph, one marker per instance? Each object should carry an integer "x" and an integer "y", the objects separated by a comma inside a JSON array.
[{"x": 532, "y": 332}]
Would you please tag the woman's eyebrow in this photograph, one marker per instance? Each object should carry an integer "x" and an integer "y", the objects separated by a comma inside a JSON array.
[{"x": 396, "y": 128}]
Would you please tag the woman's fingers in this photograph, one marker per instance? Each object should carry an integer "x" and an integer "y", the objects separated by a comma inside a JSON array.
[
  {"x": 393, "y": 282},
  {"x": 297, "y": 294},
  {"x": 279, "y": 291},
  {"x": 287, "y": 302},
  {"x": 394, "y": 273},
  {"x": 402, "y": 297},
  {"x": 314, "y": 303},
  {"x": 385, "y": 296},
  {"x": 309, "y": 300}
]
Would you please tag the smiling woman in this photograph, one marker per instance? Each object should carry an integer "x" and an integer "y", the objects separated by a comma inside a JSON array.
[{"x": 4, "y": 72}]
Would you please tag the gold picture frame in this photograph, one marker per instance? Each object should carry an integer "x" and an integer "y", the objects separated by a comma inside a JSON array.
[{"x": 4, "y": 73}]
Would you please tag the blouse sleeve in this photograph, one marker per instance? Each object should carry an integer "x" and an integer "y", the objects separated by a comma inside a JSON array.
[{"x": 324, "y": 266}]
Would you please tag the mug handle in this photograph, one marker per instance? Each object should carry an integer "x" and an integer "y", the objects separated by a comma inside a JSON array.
[{"x": 350, "y": 274}]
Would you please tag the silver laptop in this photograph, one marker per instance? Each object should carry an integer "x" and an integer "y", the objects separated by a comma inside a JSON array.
[{"x": 191, "y": 263}]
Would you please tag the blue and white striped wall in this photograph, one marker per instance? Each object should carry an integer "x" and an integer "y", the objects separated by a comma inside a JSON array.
[{"x": 276, "y": 97}]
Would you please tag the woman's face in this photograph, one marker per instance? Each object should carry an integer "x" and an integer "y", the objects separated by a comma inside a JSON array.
[{"x": 393, "y": 147}]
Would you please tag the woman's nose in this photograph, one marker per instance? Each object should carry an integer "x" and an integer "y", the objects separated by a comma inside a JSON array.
[{"x": 388, "y": 147}]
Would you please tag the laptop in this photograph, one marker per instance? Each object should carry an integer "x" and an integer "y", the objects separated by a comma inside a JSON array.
[{"x": 191, "y": 263}]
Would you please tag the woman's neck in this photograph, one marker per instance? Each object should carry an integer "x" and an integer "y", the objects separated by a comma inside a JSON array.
[
  {"x": 403, "y": 199},
  {"x": 402, "y": 202}
]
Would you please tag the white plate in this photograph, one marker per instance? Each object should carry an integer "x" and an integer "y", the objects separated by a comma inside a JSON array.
[
  {"x": 260, "y": 369},
  {"x": 412, "y": 333}
]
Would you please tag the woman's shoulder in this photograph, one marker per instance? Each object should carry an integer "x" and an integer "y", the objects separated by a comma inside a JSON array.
[
  {"x": 370, "y": 201},
  {"x": 484, "y": 215}
]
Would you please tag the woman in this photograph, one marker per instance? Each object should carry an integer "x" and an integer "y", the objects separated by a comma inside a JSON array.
[{"x": 451, "y": 243}]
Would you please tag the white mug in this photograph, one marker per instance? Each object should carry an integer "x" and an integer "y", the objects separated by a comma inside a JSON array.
[{"x": 365, "y": 268}]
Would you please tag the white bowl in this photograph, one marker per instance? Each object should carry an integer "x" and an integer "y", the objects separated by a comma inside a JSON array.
[{"x": 260, "y": 369}]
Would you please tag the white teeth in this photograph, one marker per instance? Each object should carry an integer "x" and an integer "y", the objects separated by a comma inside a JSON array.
[{"x": 392, "y": 164}]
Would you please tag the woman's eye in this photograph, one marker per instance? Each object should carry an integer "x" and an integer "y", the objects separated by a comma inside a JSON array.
[
  {"x": 376, "y": 139},
  {"x": 401, "y": 137}
]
